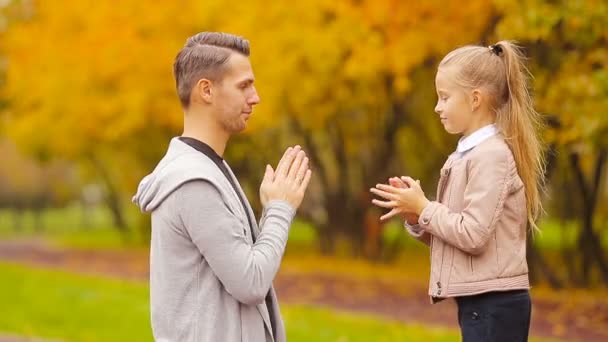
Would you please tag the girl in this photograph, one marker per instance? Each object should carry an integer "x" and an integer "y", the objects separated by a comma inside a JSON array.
[{"x": 488, "y": 193}]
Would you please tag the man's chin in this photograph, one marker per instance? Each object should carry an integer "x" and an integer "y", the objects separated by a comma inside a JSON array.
[{"x": 239, "y": 128}]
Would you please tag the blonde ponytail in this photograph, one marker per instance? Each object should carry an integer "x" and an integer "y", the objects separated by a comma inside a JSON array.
[{"x": 520, "y": 123}]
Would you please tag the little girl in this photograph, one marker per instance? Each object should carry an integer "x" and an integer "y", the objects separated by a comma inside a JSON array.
[{"x": 488, "y": 194}]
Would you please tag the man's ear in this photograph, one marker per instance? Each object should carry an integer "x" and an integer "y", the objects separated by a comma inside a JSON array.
[
  {"x": 476, "y": 99},
  {"x": 203, "y": 90}
]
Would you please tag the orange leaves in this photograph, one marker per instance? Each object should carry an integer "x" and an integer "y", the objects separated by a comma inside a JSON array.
[
  {"x": 105, "y": 70},
  {"x": 86, "y": 72}
]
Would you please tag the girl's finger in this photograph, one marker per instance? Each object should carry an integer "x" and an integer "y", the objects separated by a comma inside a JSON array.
[
  {"x": 409, "y": 181},
  {"x": 387, "y": 188},
  {"x": 390, "y": 214},
  {"x": 397, "y": 183},
  {"x": 383, "y": 194},
  {"x": 384, "y": 204}
]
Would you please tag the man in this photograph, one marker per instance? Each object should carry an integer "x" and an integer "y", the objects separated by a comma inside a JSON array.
[{"x": 211, "y": 266}]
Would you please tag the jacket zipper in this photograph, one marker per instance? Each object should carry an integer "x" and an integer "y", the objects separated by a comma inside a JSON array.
[
  {"x": 440, "y": 270},
  {"x": 444, "y": 181}
]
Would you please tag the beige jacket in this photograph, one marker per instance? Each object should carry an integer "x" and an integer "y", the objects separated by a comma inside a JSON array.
[{"x": 477, "y": 227}]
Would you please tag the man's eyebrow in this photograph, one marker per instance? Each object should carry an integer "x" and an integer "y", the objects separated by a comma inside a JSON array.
[{"x": 247, "y": 80}]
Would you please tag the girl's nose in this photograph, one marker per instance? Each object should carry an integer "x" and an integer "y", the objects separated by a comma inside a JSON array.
[{"x": 438, "y": 108}]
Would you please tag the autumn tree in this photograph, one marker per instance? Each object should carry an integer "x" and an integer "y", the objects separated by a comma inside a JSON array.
[
  {"x": 353, "y": 82},
  {"x": 566, "y": 42}
]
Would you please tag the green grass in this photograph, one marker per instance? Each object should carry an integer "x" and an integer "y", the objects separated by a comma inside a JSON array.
[{"x": 69, "y": 307}]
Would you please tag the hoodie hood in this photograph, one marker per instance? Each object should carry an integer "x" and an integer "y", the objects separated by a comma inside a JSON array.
[{"x": 180, "y": 164}]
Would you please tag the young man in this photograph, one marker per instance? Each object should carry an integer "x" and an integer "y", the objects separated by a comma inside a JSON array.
[{"x": 211, "y": 265}]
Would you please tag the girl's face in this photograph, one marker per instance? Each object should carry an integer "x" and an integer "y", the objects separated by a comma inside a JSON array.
[{"x": 453, "y": 103}]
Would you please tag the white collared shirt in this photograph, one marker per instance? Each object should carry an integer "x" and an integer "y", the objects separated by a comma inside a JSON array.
[{"x": 467, "y": 143}]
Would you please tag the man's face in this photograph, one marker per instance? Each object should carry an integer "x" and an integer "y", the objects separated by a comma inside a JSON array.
[{"x": 235, "y": 94}]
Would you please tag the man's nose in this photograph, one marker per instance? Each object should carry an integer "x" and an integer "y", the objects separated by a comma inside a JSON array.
[{"x": 254, "y": 99}]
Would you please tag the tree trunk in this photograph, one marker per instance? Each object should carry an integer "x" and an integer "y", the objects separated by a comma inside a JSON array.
[
  {"x": 326, "y": 237},
  {"x": 536, "y": 264},
  {"x": 589, "y": 241},
  {"x": 113, "y": 203},
  {"x": 112, "y": 198}
]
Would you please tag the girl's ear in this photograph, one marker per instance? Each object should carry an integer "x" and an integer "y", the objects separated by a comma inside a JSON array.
[{"x": 476, "y": 99}]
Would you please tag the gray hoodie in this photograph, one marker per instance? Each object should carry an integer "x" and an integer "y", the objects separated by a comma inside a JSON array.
[{"x": 208, "y": 280}]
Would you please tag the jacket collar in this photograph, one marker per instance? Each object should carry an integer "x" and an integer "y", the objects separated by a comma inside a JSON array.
[{"x": 467, "y": 143}]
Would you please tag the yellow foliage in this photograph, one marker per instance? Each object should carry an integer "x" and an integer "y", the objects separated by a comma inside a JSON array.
[{"x": 89, "y": 77}]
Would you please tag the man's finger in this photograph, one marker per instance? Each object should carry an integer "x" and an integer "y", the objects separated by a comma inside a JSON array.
[
  {"x": 306, "y": 180},
  {"x": 268, "y": 174},
  {"x": 282, "y": 160},
  {"x": 295, "y": 165},
  {"x": 286, "y": 161},
  {"x": 302, "y": 171}
]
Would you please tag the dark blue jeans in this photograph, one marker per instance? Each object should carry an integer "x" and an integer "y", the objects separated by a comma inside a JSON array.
[{"x": 495, "y": 316}]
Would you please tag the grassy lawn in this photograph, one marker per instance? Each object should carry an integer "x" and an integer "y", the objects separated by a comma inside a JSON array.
[{"x": 69, "y": 307}]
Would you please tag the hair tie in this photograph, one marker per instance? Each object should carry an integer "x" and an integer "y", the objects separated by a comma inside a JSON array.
[{"x": 496, "y": 49}]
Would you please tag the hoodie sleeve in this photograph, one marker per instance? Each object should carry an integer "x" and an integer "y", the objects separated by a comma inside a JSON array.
[{"x": 245, "y": 270}]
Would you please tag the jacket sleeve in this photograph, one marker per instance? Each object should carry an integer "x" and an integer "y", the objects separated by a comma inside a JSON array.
[
  {"x": 488, "y": 183},
  {"x": 245, "y": 270},
  {"x": 418, "y": 233}
]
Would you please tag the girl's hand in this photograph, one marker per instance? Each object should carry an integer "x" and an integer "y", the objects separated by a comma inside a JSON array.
[
  {"x": 399, "y": 200},
  {"x": 410, "y": 218}
]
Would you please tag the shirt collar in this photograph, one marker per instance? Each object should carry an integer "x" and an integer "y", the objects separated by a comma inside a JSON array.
[
  {"x": 203, "y": 148},
  {"x": 475, "y": 138}
]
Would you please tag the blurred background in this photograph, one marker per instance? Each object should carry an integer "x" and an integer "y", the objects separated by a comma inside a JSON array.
[{"x": 87, "y": 107}]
